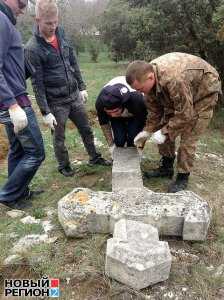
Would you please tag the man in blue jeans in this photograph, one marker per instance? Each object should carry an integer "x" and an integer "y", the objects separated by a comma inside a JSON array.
[{"x": 26, "y": 145}]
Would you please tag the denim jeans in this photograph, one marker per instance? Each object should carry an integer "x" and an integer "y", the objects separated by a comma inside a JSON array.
[
  {"x": 26, "y": 153},
  {"x": 125, "y": 130}
]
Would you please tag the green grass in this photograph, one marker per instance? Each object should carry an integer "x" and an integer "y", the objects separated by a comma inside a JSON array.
[{"x": 82, "y": 260}]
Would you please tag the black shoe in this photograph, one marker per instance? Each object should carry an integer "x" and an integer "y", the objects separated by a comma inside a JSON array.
[
  {"x": 179, "y": 184},
  {"x": 67, "y": 171},
  {"x": 33, "y": 194},
  {"x": 17, "y": 204},
  {"x": 100, "y": 161},
  {"x": 165, "y": 169}
]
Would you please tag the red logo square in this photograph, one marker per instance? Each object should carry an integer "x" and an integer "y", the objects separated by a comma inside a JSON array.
[{"x": 54, "y": 283}]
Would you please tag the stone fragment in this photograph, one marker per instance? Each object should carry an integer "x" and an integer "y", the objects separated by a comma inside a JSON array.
[
  {"x": 14, "y": 259},
  {"x": 83, "y": 211},
  {"x": 30, "y": 220},
  {"x": 14, "y": 213},
  {"x": 135, "y": 232},
  {"x": 138, "y": 265},
  {"x": 126, "y": 172},
  {"x": 27, "y": 242}
]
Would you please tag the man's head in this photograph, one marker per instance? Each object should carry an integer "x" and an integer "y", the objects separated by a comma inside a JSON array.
[
  {"x": 140, "y": 76},
  {"x": 47, "y": 17},
  {"x": 17, "y": 6},
  {"x": 113, "y": 97}
]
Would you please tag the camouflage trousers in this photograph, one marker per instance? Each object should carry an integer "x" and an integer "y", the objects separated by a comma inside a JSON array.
[{"x": 188, "y": 140}]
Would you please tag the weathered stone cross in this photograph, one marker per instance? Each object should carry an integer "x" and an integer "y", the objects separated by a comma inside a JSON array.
[{"x": 182, "y": 214}]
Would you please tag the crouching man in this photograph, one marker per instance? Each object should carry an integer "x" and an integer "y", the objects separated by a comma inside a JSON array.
[
  {"x": 121, "y": 113},
  {"x": 181, "y": 91}
]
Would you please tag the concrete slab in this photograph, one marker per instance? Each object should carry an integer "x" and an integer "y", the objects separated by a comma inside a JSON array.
[
  {"x": 138, "y": 265},
  {"x": 126, "y": 172},
  {"x": 135, "y": 232},
  {"x": 83, "y": 211}
]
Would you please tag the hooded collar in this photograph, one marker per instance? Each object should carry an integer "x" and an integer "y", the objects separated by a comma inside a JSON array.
[{"x": 8, "y": 12}]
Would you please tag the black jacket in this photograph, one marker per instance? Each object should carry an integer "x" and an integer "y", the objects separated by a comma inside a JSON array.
[
  {"x": 133, "y": 101},
  {"x": 55, "y": 74}
]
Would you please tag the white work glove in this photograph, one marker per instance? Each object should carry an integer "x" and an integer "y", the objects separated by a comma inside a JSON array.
[
  {"x": 158, "y": 137},
  {"x": 111, "y": 150},
  {"x": 18, "y": 117},
  {"x": 50, "y": 121},
  {"x": 84, "y": 96},
  {"x": 141, "y": 138}
]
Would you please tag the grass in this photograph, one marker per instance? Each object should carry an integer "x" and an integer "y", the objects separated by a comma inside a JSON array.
[{"x": 79, "y": 263}]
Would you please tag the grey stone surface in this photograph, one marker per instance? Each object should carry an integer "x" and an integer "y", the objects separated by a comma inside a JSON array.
[
  {"x": 14, "y": 259},
  {"x": 27, "y": 242},
  {"x": 138, "y": 265},
  {"x": 14, "y": 213},
  {"x": 182, "y": 214},
  {"x": 172, "y": 214},
  {"x": 83, "y": 211},
  {"x": 135, "y": 232},
  {"x": 126, "y": 172}
]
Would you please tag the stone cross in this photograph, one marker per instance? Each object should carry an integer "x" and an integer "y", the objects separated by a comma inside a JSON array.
[
  {"x": 84, "y": 211},
  {"x": 136, "y": 216}
]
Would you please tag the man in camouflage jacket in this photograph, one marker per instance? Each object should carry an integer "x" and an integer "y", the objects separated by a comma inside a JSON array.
[{"x": 181, "y": 91}]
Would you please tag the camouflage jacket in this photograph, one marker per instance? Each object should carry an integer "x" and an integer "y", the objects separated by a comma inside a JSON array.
[{"x": 183, "y": 85}]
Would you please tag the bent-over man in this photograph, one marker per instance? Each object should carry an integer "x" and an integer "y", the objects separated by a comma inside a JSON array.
[{"x": 181, "y": 91}]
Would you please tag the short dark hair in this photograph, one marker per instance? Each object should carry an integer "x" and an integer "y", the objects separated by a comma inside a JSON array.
[{"x": 137, "y": 70}]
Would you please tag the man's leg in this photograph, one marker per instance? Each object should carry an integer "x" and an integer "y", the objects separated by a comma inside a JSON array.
[
  {"x": 79, "y": 117},
  {"x": 133, "y": 128},
  {"x": 119, "y": 128},
  {"x": 26, "y": 155},
  {"x": 61, "y": 113},
  {"x": 187, "y": 149},
  {"x": 165, "y": 169}
]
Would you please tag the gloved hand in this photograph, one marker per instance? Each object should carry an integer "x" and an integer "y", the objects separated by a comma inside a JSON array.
[
  {"x": 50, "y": 120},
  {"x": 18, "y": 117},
  {"x": 111, "y": 150},
  {"x": 84, "y": 96},
  {"x": 141, "y": 138},
  {"x": 158, "y": 137}
]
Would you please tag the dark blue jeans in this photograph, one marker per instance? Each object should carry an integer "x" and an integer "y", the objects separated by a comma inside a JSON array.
[
  {"x": 25, "y": 156},
  {"x": 125, "y": 130}
]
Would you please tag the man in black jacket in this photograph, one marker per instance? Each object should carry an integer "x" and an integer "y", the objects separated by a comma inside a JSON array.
[
  {"x": 58, "y": 85},
  {"x": 121, "y": 113}
]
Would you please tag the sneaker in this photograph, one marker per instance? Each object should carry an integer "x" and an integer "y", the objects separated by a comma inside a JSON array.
[
  {"x": 67, "y": 171},
  {"x": 100, "y": 161}
]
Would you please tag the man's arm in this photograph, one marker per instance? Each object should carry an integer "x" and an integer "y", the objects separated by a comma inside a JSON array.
[
  {"x": 155, "y": 113},
  {"x": 74, "y": 63},
  {"x": 182, "y": 98},
  {"x": 34, "y": 60},
  {"x": 7, "y": 97}
]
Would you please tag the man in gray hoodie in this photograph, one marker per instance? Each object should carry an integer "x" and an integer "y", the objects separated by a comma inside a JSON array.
[{"x": 26, "y": 145}]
